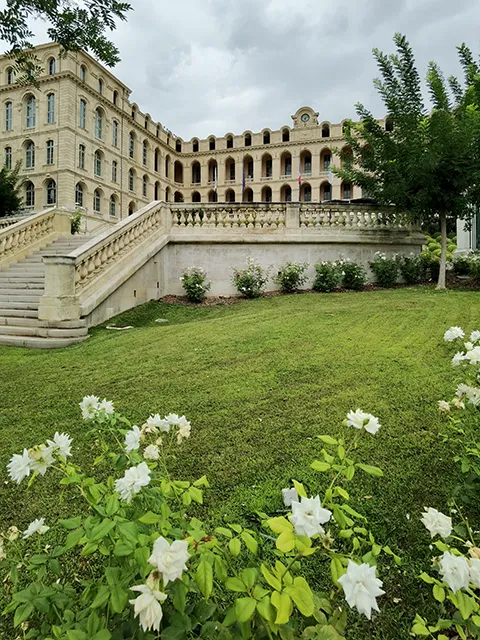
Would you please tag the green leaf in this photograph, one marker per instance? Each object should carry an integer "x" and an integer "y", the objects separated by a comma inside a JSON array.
[
  {"x": 118, "y": 598},
  {"x": 22, "y": 613},
  {"x": 300, "y": 489},
  {"x": 230, "y": 617},
  {"x": 283, "y": 605},
  {"x": 150, "y": 518},
  {"x": 74, "y": 538},
  {"x": 250, "y": 542},
  {"x": 104, "y": 634},
  {"x": 76, "y": 634},
  {"x": 244, "y": 608},
  {"x": 101, "y": 530},
  {"x": 339, "y": 491},
  {"x": 328, "y": 440},
  {"x": 318, "y": 465},
  {"x": 224, "y": 532},
  {"x": 204, "y": 578},
  {"x": 420, "y": 629},
  {"x": 426, "y": 578},
  {"x": 248, "y": 577},
  {"x": 71, "y": 523},
  {"x": 349, "y": 472},
  {"x": 438, "y": 593},
  {"x": 220, "y": 569},
  {"x": 196, "y": 494},
  {"x": 179, "y": 592},
  {"x": 302, "y": 596},
  {"x": 286, "y": 541},
  {"x": 235, "y": 584},
  {"x": 373, "y": 471},
  {"x": 123, "y": 549},
  {"x": 101, "y": 597},
  {"x": 336, "y": 569},
  {"x": 264, "y": 608},
  {"x": 128, "y": 531},
  {"x": 279, "y": 525},
  {"x": 270, "y": 578},
  {"x": 112, "y": 505},
  {"x": 235, "y": 546}
]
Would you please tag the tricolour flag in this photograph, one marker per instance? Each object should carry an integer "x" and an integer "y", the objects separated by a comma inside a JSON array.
[
  {"x": 300, "y": 175},
  {"x": 243, "y": 179}
]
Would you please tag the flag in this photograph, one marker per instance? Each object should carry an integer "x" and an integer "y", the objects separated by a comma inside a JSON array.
[
  {"x": 330, "y": 175},
  {"x": 300, "y": 175},
  {"x": 243, "y": 179},
  {"x": 215, "y": 169}
]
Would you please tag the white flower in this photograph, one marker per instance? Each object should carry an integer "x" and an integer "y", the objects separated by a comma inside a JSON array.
[
  {"x": 455, "y": 571},
  {"x": 443, "y": 405},
  {"x": 473, "y": 356},
  {"x": 61, "y": 444},
  {"x": 458, "y": 403},
  {"x": 475, "y": 336},
  {"x": 151, "y": 452},
  {"x": 437, "y": 523},
  {"x": 458, "y": 358},
  {"x": 173, "y": 419},
  {"x": 468, "y": 346},
  {"x": 474, "y": 564},
  {"x": 453, "y": 333},
  {"x": 308, "y": 515},
  {"x": 184, "y": 429},
  {"x": 361, "y": 420},
  {"x": 89, "y": 406},
  {"x": 133, "y": 480},
  {"x": 289, "y": 495},
  {"x": 361, "y": 587},
  {"x": 106, "y": 406},
  {"x": 169, "y": 559},
  {"x": 37, "y": 526},
  {"x": 42, "y": 458},
  {"x": 132, "y": 439},
  {"x": 147, "y": 607},
  {"x": 472, "y": 393},
  {"x": 12, "y": 533},
  {"x": 20, "y": 466},
  {"x": 156, "y": 423}
]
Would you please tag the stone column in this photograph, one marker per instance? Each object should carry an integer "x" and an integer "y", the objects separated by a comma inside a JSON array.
[
  {"x": 59, "y": 301},
  {"x": 292, "y": 216}
]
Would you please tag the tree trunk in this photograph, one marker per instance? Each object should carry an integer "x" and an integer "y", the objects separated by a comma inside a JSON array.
[{"x": 443, "y": 257}]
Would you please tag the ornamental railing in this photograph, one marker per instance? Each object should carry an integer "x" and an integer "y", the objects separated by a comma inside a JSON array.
[
  {"x": 347, "y": 216},
  {"x": 246, "y": 215}
]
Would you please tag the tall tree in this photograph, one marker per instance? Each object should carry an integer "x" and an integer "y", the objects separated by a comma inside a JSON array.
[
  {"x": 426, "y": 163},
  {"x": 10, "y": 200},
  {"x": 74, "y": 24}
]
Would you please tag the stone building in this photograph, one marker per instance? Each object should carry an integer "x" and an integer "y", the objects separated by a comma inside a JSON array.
[{"x": 83, "y": 143}]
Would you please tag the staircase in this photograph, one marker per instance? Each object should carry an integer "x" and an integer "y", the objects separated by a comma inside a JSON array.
[{"x": 21, "y": 286}]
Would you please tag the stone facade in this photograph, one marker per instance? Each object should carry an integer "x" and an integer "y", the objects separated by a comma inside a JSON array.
[{"x": 83, "y": 142}]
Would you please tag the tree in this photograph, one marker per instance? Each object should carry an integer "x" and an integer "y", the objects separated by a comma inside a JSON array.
[
  {"x": 426, "y": 166},
  {"x": 74, "y": 24},
  {"x": 10, "y": 200}
]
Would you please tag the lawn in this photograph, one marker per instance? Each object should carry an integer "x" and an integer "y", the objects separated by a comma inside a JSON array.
[{"x": 258, "y": 380}]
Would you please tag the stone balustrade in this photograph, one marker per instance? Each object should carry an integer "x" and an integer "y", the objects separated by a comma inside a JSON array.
[
  {"x": 247, "y": 215},
  {"x": 348, "y": 216}
]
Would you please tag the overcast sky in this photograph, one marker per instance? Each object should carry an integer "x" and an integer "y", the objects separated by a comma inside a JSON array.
[{"x": 205, "y": 67}]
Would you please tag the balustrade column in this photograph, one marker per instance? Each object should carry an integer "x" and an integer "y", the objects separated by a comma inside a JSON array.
[{"x": 59, "y": 301}]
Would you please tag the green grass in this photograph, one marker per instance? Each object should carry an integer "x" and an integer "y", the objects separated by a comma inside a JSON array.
[{"x": 259, "y": 380}]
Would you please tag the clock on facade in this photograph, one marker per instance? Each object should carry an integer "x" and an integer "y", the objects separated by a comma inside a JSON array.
[{"x": 305, "y": 117}]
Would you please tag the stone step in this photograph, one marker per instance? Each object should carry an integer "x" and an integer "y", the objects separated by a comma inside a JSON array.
[
  {"x": 20, "y": 278},
  {"x": 18, "y": 299},
  {"x": 30, "y": 270},
  {"x": 42, "y": 332},
  {"x": 37, "y": 293},
  {"x": 18, "y": 285},
  {"x": 31, "y": 342},
  {"x": 20, "y": 313},
  {"x": 18, "y": 322},
  {"x": 17, "y": 304}
]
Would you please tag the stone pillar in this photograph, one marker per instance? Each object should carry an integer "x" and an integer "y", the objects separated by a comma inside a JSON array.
[
  {"x": 465, "y": 237},
  {"x": 59, "y": 301},
  {"x": 61, "y": 222},
  {"x": 292, "y": 216}
]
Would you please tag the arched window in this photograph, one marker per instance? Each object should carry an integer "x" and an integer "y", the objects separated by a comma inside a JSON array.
[
  {"x": 178, "y": 196},
  {"x": 195, "y": 146},
  {"x": 8, "y": 116},
  {"x": 286, "y": 193},
  {"x": 97, "y": 163},
  {"x": 267, "y": 166},
  {"x": 51, "y": 66},
  {"x": 51, "y": 108},
  {"x": 10, "y": 75},
  {"x": 49, "y": 150},
  {"x": 29, "y": 155},
  {"x": 29, "y": 194},
  {"x": 115, "y": 97},
  {"x": 79, "y": 194},
  {"x": 100, "y": 86},
  {"x": 325, "y": 192},
  {"x": 266, "y": 194},
  {"x": 144, "y": 186},
  {"x": 167, "y": 194},
  {"x": 212, "y": 171},
  {"x": 286, "y": 163},
  {"x": 51, "y": 192},
  {"x": 230, "y": 169},
  {"x": 178, "y": 172},
  {"x": 211, "y": 144},
  {"x": 131, "y": 208},
  {"x": 115, "y": 133},
  {"x": 156, "y": 191},
  {"x": 212, "y": 196},
  {"x": 266, "y": 137},
  {"x": 167, "y": 166},
  {"x": 389, "y": 123},
  {"x": 8, "y": 157},
  {"x": 285, "y": 135},
  {"x": 114, "y": 170},
  {"x": 306, "y": 162},
  {"x": 131, "y": 180},
  {"x": 325, "y": 131},
  {"x": 346, "y": 191},
  {"x": 131, "y": 145},
  {"x": 97, "y": 201},
  {"x": 325, "y": 160},
  {"x": 229, "y": 195},
  {"x": 81, "y": 156},
  {"x": 229, "y": 142},
  {"x": 83, "y": 73},
  {"x": 113, "y": 206},
  {"x": 196, "y": 173},
  {"x": 248, "y": 195},
  {"x": 248, "y": 168},
  {"x": 346, "y": 158},
  {"x": 98, "y": 123},
  {"x": 306, "y": 192},
  {"x": 248, "y": 139},
  {"x": 82, "y": 114},
  {"x": 156, "y": 158},
  {"x": 178, "y": 146},
  {"x": 145, "y": 153},
  {"x": 31, "y": 112},
  {"x": 196, "y": 197}
]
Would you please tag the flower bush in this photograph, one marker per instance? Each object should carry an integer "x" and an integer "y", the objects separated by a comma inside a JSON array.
[
  {"x": 461, "y": 264},
  {"x": 144, "y": 567},
  {"x": 250, "y": 282},
  {"x": 328, "y": 276},
  {"x": 75, "y": 222},
  {"x": 194, "y": 281},
  {"x": 474, "y": 266},
  {"x": 412, "y": 268},
  {"x": 354, "y": 275},
  {"x": 385, "y": 269},
  {"x": 291, "y": 276}
]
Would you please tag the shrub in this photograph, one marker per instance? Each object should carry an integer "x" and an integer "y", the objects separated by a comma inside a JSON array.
[
  {"x": 461, "y": 264},
  {"x": 354, "y": 275},
  {"x": 384, "y": 269},
  {"x": 474, "y": 266},
  {"x": 412, "y": 268},
  {"x": 194, "y": 281},
  {"x": 328, "y": 276},
  {"x": 75, "y": 222},
  {"x": 434, "y": 245},
  {"x": 291, "y": 276},
  {"x": 431, "y": 264},
  {"x": 251, "y": 281}
]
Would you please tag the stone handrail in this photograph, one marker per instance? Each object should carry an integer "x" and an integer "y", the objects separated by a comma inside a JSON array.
[
  {"x": 348, "y": 216},
  {"x": 97, "y": 255},
  {"x": 247, "y": 215}
]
